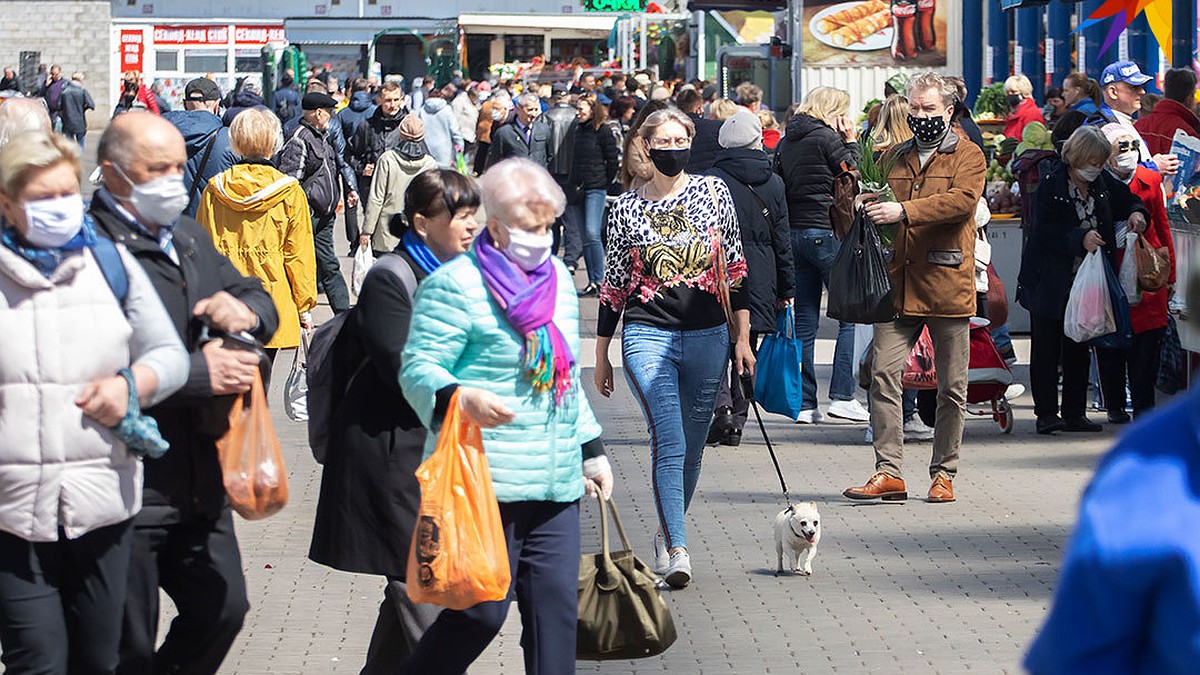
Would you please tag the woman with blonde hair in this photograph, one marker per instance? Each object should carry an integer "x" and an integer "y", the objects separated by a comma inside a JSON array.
[
  {"x": 892, "y": 128},
  {"x": 258, "y": 218},
  {"x": 1018, "y": 92},
  {"x": 819, "y": 143},
  {"x": 722, "y": 109}
]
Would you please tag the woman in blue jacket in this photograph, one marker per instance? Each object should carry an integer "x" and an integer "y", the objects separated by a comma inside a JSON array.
[{"x": 500, "y": 324}]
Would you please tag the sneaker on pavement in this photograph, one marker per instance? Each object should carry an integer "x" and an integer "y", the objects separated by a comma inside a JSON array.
[
  {"x": 848, "y": 410},
  {"x": 1015, "y": 390},
  {"x": 916, "y": 430},
  {"x": 661, "y": 559},
  {"x": 679, "y": 571},
  {"x": 811, "y": 416}
]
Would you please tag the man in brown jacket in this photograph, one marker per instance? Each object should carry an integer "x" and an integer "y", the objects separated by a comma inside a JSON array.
[{"x": 938, "y": 179}]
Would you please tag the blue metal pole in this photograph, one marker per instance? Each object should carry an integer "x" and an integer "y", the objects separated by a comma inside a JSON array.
[
  {"x": 1092, "y": 62},
  {"x": 1183, "y": 33},
  {"x": 972, "y": 48},
  {"x": 1138, "y": 35},
  {"x": 1058, "y": 43},
  {"x": 1029, "y": 43},
  {"x": 997, "y": 46}
]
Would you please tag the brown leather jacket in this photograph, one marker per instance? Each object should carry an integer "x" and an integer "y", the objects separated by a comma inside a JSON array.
[{"x": 933, "y": 268}]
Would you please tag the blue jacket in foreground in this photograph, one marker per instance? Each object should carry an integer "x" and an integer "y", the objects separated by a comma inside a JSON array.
[
  {"x": 459, "y": 335},
  {"x": 1128, "y": 600}
]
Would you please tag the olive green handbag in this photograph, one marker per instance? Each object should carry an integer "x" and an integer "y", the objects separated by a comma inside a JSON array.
[{"x": 621, "y": 614}]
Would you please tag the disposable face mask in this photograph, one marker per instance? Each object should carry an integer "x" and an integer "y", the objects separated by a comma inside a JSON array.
[
  {"x": 528, "y": 250},
  {"x": 1088, "y": 174},
  {"x": 670, "y": 162},
  {"x": 1127, "y": 161},
  {"x": 53, "y": 222},
  {"x": 158, "y": 201}
]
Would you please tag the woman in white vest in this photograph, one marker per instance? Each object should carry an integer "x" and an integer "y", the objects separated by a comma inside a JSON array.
[{"x": 73, "y": 312}]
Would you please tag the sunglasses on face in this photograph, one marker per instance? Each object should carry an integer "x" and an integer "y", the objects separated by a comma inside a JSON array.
[{"x": 1125, "y": 146}]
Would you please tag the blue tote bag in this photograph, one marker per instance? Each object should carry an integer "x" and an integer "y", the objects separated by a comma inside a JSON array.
[{"x": 777, "y": 379}]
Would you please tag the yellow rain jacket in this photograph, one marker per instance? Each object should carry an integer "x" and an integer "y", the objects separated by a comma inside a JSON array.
[{"x": 258, "y": 218}]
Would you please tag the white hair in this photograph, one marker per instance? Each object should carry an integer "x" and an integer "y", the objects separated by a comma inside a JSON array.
[
  {"x": 527, "y": 98},
  {"x": 19, "y": 115},
  {"x": 518, "y": 182},
  {"x": 939, "y": 83}
]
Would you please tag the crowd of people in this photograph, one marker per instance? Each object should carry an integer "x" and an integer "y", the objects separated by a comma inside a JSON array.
[{"x": 695, "y": 218}]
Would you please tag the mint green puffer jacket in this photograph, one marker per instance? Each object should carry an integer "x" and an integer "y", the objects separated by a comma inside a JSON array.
[{"x": 459, "y": 335}]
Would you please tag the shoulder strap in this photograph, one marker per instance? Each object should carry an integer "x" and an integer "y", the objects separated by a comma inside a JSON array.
[
  {"x": 766, "y": 212},
  {"x": 208, "y": 148},
  {"x": 391, "y": 262},
  {"x": 112, "y": 267}
]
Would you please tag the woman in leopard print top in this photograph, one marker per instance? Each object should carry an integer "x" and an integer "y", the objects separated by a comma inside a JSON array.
[{"x": 670, "y": 244}]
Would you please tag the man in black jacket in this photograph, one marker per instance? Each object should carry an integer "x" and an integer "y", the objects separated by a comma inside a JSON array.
[
  {"x": 377, "y": 134},
  {"x": 310, "y": 158},
  {"x": 183, "y": 538},
  {"x": 526, "y": 136},
  {"x": 704, "y": 144},
  {"x": 560, "y": 119}
]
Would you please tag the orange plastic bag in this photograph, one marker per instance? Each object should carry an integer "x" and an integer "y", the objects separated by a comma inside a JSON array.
[
  {"x": 251, "y": 459},
  {"x": 458, "y": 557}
]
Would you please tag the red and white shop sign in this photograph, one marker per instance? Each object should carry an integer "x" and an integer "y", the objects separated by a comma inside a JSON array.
[
  {"x": 258, "y": 35},
  {"x": 131, "y": 50},
  {"x": 191, "y": 35}
]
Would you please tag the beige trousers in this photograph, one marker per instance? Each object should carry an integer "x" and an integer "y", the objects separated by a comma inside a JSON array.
[{"x": 951, "y": 355}]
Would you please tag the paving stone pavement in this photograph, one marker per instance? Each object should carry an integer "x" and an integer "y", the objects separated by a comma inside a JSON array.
[{"x": 950, "y": 588}]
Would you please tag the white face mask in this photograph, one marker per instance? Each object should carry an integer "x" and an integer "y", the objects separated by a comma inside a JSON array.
[
  {"x": 158, "y": 201},
  {"x": 1126, "y": 162},
  {"x": 53, "y": 222},
  {"x": 528, "y": 250},
  {"x": 1088, "y": 174}
]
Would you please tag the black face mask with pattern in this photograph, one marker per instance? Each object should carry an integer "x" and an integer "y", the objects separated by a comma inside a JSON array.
[{"x": 928, "y": 131}]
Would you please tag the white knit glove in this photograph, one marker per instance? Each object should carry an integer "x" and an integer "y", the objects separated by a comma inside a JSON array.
[{"x": 597, "y": 475}]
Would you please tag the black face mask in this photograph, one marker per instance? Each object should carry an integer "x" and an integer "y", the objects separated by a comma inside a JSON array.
[
  {"x": 670, "y": 162},
  {"x": 1014, "y": 100},
  {"x": 927, "y": 130}
]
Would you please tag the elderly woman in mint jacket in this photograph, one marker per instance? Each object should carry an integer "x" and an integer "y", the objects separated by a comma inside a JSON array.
[{"x": 475, "y": 321}]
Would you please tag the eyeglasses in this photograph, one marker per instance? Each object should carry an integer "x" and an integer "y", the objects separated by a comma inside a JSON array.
[
  {"x": 679, "y": 143},
  {"x": 1126, "y": 146}
]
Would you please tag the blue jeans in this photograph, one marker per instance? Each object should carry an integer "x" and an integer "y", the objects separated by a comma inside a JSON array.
[
  {"x": 813, "y": 251},
  {"x": 588, "y": 217},
  {"x": 675, "y": 376}
]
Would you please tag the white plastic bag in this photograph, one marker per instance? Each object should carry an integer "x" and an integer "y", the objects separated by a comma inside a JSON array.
[
  {"x": 295, "y": 389},
  {"x": 363, "y": 259},
  {"x": 1089, "y": 308},
  {"x": 1128, "y": 275}
]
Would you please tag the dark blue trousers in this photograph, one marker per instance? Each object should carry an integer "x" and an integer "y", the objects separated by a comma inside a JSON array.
[{"x": 543, "y": 552}]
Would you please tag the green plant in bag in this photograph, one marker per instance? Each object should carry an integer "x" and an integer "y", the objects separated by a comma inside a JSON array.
[{"x": 873, "y": 170}]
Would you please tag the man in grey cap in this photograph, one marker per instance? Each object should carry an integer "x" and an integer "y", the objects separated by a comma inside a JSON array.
[
  {"x": 1122, "y": 84},
  {"x": 310, "y": 158},
  {"x": 208, "y": 149}
]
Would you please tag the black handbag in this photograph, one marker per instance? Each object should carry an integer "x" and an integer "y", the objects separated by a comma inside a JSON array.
[
  {"x": 860, "y": 290},
  {"x": 621, "y": 613}
]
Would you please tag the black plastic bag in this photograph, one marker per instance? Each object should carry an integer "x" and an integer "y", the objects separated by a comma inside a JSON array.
[{"x": 860, "y": 290}]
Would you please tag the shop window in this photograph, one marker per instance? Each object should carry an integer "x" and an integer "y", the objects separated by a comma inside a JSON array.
[
  {"x": 205, "y": 61},
  {"x": 247, "y": 61},
  {"x": 166, "y": 61},
  {"x": 522, "y": 47}
]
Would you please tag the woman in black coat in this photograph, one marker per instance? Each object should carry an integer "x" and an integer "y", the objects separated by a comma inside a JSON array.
[
  {"x": 369, "y": 493},
  {"x": 762, "y": 215},
  {"x": 593, "y": 169},
  {"x": 1076, "y": 209}
]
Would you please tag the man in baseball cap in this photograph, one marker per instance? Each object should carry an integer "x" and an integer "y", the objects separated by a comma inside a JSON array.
[
  {"x": 201, "y": 128},
  {"x": 202, "y": 89},
  {"x": 1122, "y": 85}
]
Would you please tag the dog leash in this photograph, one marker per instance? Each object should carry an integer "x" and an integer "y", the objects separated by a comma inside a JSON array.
[{"x": 748, "y": 392}]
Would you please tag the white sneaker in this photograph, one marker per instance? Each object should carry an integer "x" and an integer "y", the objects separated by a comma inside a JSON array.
[
  {"x": 810, "y": 416},
  {"x": 1015, "y": 390},
  {"x": 661, "y": 559},
  {"x": 679, "y": 572},
  {"x": 848, "y": 410},
  {"x": 916, "y": 430}
]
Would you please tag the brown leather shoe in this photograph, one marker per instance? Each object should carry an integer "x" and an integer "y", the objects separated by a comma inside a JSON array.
[
  {"x": 881, "y": 486},
  {"x": 942, "y": 490}
]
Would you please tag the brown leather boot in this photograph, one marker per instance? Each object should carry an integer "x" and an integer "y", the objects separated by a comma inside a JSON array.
[
  {"x": 942, "y": 489},
  {"x": 881, "y": 486}
]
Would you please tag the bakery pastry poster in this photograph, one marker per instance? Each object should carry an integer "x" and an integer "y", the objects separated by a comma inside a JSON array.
[{"x": 874, "y": 32}]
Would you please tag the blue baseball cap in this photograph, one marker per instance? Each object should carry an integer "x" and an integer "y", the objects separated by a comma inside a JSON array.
[{"x": 1124, "y": 71}]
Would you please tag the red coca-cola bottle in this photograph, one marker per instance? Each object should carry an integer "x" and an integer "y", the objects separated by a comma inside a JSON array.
[
  {"x": 904, "y": 25},
  {"x": 926, "y": 33}
]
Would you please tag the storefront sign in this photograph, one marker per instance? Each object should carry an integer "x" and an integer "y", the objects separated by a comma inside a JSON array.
[
  {"x": 191, "y": 35},
  {"x": 614, "y": 5},
  {"x": 258, "y": 35},
  {"x": 131, "y": 50},
  {"x": 875, "y": 33}
]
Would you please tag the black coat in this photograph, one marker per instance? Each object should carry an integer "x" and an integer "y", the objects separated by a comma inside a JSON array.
[
  {"x": 561, "y": 121},
  {"x": 508, "y": 141},
  {"x": 595, "y": 165},
  {"x": 309, "y": 157},
  {"x": 1056, "y": 239},
  {"x": 375, "y": 136},
  {"x": 809, "y": 156},
  {"x": 186, "y": 482},
  {"x": 73, "y": 104},
  {"x": 369, "y": 493},
  {"x": 767, "y": 246},
  {"x": 705, "y": 145}
]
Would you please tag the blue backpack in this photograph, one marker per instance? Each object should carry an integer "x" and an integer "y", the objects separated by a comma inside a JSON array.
[{"x": 113, "y": 268}]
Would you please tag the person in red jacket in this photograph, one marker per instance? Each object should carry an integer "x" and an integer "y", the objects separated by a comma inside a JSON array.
[
  {"x": 1176, "y": 110},
  {"x": 135, "y": 94},
  {"x": 1149, "y": 316},
  {"x": 1018, "y": 91}
]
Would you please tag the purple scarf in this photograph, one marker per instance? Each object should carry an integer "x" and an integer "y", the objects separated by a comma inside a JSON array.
[{"x": 528, "y": 300}]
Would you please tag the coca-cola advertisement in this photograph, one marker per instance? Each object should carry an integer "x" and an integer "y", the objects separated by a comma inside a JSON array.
[{"x": 875, "y": 33}]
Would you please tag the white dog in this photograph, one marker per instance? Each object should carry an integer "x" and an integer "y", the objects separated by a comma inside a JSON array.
[{"x": 798, "y": 529}]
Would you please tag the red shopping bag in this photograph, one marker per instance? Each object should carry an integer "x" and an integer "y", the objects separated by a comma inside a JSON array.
[{"x": 919, "y": 372}]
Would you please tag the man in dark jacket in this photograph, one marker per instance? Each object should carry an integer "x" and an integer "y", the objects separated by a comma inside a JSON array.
[
  {"x": 53, "y": 92},
  {"x": 362, "y": 105},
  {"x": 704, "y": 144},
  {"x": 526, "y": 136},
  {"x": 1175, "y": 112},
  {"x": 287, "y": 99},
  {"x": 310, "y": 158},
  {"x": 73, "y": 104},
  {"x": 762, "y": 215},
  {"x": 208, "y": 148},
  {"x": 377, "y": 134},
  {"x": 183, "y": 538},
  {"x": 245, "y": 98},
  {"x": 560, "y": 119}
]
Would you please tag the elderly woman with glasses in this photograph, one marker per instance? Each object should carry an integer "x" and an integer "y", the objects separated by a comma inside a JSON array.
[
  {"x": 499, "y": 324},
  {"x": 674, "y": 268}
]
